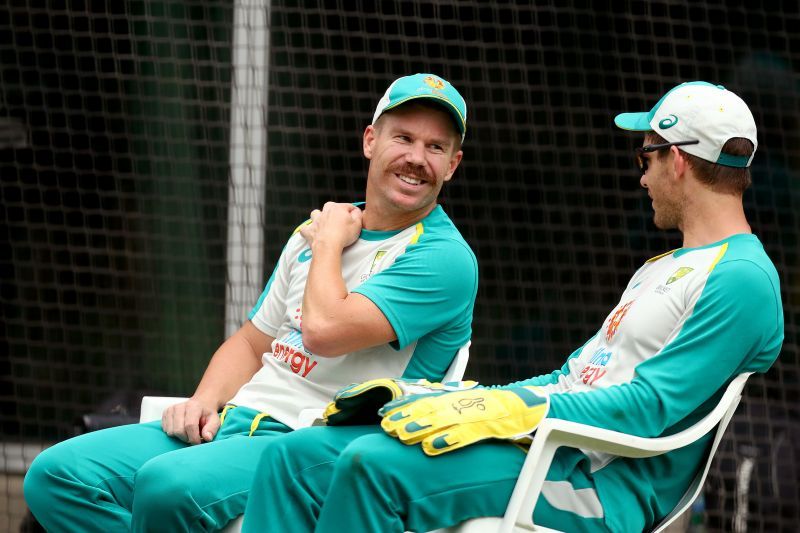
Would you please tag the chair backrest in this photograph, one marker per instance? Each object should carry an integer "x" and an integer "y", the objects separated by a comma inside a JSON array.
[
  {"x": 459, "y": 365},
  {"x": 730, "y": 401}
]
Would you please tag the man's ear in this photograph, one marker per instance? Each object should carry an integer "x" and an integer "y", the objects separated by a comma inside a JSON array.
[
  {"x": 454, "y": 165},
  {"x": 369, "y": 141},
  {"x": 680, "y": 164}
]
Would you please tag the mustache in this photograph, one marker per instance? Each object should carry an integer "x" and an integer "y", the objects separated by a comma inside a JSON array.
[{"x": 412, "y": 171}]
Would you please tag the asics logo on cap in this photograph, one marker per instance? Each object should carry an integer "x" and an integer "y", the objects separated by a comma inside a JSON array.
[{"x": 667, "y": 122}]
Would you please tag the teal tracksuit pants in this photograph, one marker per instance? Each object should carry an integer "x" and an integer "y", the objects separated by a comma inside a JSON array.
[
  {"x": 137, "y": 478},
  {"x": 357, "y": 479}
]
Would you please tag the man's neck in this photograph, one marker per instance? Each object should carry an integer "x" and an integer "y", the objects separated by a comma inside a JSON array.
[
  {"x": 377, "y": 219},
  {"x": 711, "y": 218}
]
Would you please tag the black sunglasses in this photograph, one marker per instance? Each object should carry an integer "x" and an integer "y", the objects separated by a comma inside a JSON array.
[{"x": 641, "y": 161}]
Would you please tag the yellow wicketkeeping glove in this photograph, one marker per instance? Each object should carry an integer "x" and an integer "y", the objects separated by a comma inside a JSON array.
[
  {"x": 358, "y": 404},
  {"x": 450, "y": 421}
]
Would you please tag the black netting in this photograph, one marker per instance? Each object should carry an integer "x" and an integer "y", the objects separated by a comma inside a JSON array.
[{"x": 114, "y": 166}]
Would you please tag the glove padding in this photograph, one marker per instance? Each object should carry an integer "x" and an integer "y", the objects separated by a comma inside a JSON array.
[
  {"x": 358, "y": 403},
  {"x": 450, "y": 421}
]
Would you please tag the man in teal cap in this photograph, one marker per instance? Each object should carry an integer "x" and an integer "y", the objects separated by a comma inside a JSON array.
[
  {"x": 688, "y": 322},
  {"x": 385, "y": 288}
]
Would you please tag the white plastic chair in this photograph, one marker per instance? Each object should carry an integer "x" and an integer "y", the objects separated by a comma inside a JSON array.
[
  {"x": 153, "y": 406},
  {"x": 455, "y": 372},
  {"x": 553, "y": 433}
]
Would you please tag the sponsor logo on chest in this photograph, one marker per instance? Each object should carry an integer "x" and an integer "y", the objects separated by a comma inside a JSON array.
[
  {"x": 596, "y": 367},
  {"x": 290, "y": 350},
  {"x": 616, "y": 320}
]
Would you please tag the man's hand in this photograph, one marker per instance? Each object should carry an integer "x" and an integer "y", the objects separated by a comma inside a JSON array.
[
  {"x": 337, "y": 225},
  {"x": 450, "y": 421},
  {"x": 358, "y": 404},
  {"x": 191, "y": 421}
]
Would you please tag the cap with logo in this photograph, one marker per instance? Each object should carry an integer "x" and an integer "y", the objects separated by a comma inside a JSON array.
[
  {"x": 430, "y": 87},
  {"x": 701, "y": 111}
]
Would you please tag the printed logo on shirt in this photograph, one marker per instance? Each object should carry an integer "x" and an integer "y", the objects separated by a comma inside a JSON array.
[
  {"x": 290, "y": 350},
  {"x": 376, "y": 262},
  {"x": 595, "y": 368},
  {"x": 615, "y": 320},
  {"x": 304, "y": 256},
  {"x": 678, "y": 274}
]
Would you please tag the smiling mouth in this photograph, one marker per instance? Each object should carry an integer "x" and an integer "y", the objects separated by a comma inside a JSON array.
[{"x": 409, "y": 179}]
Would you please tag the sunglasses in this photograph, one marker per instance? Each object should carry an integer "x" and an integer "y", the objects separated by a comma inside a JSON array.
[{"x": 641, "y": 161}]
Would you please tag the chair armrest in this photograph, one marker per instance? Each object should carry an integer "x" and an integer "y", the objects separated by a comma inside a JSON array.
[
  {"x": 573, "y": 434},
  {"x": 153, "y": 406}
]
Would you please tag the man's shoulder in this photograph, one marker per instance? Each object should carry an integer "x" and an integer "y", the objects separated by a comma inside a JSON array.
[
  {"x": 745, "y": 256},
  {"x": 448, "y": 246},
  {"x": 747, "y": 275},
  {"x": 438, "y": 229}
]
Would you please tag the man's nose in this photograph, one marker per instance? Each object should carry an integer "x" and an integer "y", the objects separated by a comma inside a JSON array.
[{"x": 416, "y": 154}]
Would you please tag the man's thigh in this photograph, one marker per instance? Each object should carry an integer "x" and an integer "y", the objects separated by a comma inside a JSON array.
[
  {"x": 109, "y": 458},
  {"x": 294, "y": 476},
  {"x": 203, "y": 487},
  {"x": 214, "y": 471},
  {"x": 395, "y": 487},
  {"x": 307, "y": 456}
]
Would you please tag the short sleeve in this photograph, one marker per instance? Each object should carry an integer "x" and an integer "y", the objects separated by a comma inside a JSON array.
[{"x": 432, "y": 284}]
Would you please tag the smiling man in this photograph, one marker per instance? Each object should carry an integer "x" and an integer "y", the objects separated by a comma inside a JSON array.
[{"x": 359, "y": 292}]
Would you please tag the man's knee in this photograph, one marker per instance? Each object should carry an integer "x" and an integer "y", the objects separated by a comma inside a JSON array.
[
  {"x": 375, "y": 455},
  {"x": 161, "y": 485},
  {"x": 44, "y": 475}
]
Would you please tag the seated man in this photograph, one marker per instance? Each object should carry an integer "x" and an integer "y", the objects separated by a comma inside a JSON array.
[
  {"x": 356, "y": 294},
  {"x": 688, "y": 322}
]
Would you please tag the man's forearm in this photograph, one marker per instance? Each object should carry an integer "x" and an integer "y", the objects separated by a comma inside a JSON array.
[{"x": 233, "y": 365}]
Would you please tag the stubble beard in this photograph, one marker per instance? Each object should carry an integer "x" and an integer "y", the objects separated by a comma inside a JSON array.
[{"x": 669, "y": 215}]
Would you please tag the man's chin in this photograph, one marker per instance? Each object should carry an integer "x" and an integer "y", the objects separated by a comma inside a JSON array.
[
  {"x": 407, "y": 202},
  {"x": 664, "y": 224}
]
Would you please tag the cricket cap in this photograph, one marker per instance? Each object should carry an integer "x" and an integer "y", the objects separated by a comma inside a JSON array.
[
  {"x": 700, "y": 111},
  {"x": 431, "y": 88}
]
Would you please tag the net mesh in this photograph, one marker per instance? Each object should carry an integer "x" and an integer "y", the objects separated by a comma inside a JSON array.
[{"x": 114, "y": 164}]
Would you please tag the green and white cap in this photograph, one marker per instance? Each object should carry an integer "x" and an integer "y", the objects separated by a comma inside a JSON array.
[
  {"x": 430, "y": 87},
  {"x": 701, "y": 111}
]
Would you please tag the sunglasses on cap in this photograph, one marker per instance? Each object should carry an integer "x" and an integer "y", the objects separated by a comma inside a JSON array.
[{"x": 641, "y": 161}]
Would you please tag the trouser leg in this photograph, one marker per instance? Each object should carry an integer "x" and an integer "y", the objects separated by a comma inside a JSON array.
[
  {"x": 202, "y": 487},
  {"x": 86, "y": 483},
  {"x": 293, "y": 477},
  {"x": 136, "y": 477},
  {"x": 380, "y": 484}
]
